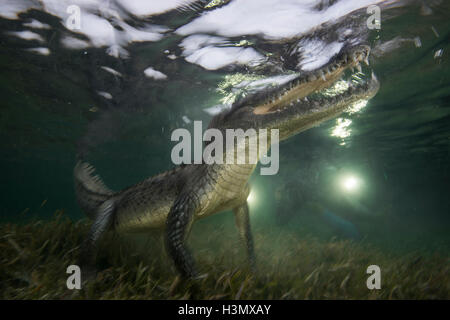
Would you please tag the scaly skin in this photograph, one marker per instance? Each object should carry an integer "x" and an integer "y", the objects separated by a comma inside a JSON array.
[{"x": 175, "y": 199}]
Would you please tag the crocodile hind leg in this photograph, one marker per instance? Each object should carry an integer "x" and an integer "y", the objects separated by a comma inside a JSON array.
[
  {"x": 102, "y": 223},
  {"x": 241, "y": 214},
  {"x": 178, "y": 225}
]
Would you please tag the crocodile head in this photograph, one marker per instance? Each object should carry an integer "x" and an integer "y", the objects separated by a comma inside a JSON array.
[{"x": 307, "y": 100}]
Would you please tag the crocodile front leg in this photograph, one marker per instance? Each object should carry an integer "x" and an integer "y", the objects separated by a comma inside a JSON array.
[
  {"x": 178, "y": 225},
  {"x": 242, "y": 217}
]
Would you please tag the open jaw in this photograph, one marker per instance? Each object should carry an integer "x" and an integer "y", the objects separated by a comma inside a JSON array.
[{"x": 331, "y": 86}]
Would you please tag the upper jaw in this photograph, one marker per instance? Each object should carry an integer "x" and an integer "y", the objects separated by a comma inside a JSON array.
[{"x": 300, "y": 91}]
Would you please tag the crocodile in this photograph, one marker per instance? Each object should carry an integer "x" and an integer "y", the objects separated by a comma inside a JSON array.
[{"x": 173, "y": 200}]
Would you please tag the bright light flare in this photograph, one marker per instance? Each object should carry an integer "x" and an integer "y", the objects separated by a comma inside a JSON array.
[
  {"x": 350, "y": 183},
  {"x": 251, "y": 199},
  {"x": 342, "y": 130},
  {"x": 357, "y": 106}
]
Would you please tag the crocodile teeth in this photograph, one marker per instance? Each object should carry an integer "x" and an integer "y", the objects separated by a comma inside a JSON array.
[
  {"x": 322, "y": 75},
  {"x": 312, "y": 77},
  {"x": 358, "y": 67},
  {"x": 366, "y": 60}
]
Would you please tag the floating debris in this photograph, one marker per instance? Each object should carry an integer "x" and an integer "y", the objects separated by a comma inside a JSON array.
[
  {"x": 105, "y": 95},
  {"x": 438, "y": 53},
  {"x": 417, "y": 42},
  {"x": 435, "y": 32}
]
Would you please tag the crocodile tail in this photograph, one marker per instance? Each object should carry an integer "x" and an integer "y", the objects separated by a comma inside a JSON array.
[{"x": 90, "y": 190}]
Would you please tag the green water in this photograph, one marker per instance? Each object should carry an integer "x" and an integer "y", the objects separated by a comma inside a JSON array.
[{"x": 398, "y": 146}]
